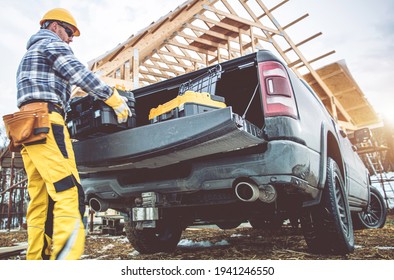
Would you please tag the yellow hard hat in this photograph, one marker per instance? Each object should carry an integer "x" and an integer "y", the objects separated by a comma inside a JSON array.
[{"x": 61, "y": 15}]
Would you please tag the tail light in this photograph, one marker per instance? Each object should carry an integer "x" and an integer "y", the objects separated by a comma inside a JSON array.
[{"x": 277, "y": 93}]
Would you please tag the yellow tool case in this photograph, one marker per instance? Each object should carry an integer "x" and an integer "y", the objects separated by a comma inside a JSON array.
[
  {"x": 194, "y": 97},
  {"x": 187, "y": 104}
]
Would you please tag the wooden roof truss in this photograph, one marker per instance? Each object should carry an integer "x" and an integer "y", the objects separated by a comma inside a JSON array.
[{"x": 200, "y": 33}]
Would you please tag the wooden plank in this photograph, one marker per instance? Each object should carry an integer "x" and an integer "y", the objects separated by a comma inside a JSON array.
[
  {"x": 241, "y": 20},
  {"x": 162, "y": 59},
  {"x": 159, "y": 75},
  {"x": 305, "y": 41},
  {"x": 178, "y": 56},
  {"x": 209, "y": 32},
  {"x": 295, "y": 21},
  {"x": 12, "y": 251},
  {"x": 188, "y": 47},
  {"x": 206, "y": 42},
  {"x": 346, "y": 91},
  {"x": 221, "y": 24},
  {"x": 152, "y": 40}
]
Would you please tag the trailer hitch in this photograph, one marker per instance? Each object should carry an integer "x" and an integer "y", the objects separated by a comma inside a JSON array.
[{"x": 147, "y": 214}]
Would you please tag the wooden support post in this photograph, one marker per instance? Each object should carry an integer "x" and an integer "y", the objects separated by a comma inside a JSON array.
[
  {"x": 241, "y": 48},
  {"x": 10, "y": 193},
  {"x": 3, "y": 187},
  {"x": 22, "y": 194},
  {"x": 253, "y": 44},
  {"x": 136, "y": 65},
  {"x": 334, "y": 108},
  {"x": 229, "y": 49}
]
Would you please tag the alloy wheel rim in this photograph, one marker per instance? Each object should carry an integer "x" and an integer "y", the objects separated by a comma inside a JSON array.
[
  {"x": 344, "y": 220},
  {"x": 372, "y": 216}
]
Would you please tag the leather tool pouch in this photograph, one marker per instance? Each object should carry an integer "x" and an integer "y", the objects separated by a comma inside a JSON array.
[{"x": 28, "y": 126}]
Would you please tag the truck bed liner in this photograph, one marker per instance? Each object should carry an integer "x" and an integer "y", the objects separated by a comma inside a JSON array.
[{"x": 168, "y": 142}]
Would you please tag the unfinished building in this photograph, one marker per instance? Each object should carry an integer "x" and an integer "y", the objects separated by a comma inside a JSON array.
[{"x": 201, "y": 33}]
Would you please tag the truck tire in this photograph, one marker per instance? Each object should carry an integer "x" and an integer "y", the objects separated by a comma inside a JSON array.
[
  {"x": 375, "y": 215},
  {"x": 228, "y": 225},
  {"x": 328, "y": 227},
  {"x": 163, "y": 238}
]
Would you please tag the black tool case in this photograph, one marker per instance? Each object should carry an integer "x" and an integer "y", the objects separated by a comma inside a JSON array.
[
  {"x": 194, "y": 97},
  {"x": 89, "y": 117}
]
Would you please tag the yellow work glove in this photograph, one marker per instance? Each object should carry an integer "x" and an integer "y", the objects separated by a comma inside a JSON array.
[{"x": 119, "y": 105}]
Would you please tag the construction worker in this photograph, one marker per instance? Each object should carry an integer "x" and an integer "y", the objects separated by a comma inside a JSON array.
[{"x": 44, "y": 78}]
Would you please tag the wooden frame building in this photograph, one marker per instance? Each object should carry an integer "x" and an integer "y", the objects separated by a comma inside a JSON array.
[{"x": 201, "y": 33}]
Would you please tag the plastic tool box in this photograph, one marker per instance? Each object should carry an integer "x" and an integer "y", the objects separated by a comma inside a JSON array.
[
  {"x": 203, "y": 83},
  {"x": 194, "y": 97},
  {"x": 190, "y": 103},
  {"x": 89, "y": 117}
]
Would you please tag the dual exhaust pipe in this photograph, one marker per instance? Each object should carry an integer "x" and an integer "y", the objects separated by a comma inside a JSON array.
[{"x": 250, "y": 192}]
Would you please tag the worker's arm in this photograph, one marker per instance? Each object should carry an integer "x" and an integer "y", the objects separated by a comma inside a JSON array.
[{"x": 72, "y": 70}]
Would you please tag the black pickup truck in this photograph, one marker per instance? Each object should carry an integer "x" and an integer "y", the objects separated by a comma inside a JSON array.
[{"x": 272, "y": 153}]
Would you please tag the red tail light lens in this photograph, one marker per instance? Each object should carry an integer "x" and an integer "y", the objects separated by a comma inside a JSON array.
[{"x": 277, "y": 94}]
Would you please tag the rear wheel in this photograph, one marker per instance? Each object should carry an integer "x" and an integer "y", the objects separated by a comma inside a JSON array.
[
  {"x": 163, "y": 238},
  {"x": 375, "y": 215},
  {"x": 328, "y": 227},
  {"x": 228, "y": 225}
]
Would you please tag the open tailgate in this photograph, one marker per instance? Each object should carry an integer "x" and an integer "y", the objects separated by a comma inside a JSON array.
[{"x": 167, "y": 142}]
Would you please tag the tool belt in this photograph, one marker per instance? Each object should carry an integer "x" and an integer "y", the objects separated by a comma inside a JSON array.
[{"x": 28, "y": 126}]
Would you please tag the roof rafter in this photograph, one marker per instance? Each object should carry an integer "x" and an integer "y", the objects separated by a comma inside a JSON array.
[{"x": 199, "y": 33}]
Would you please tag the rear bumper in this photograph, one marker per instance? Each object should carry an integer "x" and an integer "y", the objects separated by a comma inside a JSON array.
[{"x": 290, "y": 167}]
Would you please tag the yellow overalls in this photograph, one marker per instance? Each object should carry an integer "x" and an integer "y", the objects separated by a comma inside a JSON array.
[{"x": 54, "y": 189}]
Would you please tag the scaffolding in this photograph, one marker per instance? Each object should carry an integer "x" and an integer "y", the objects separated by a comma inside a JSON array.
[
  {"x": 13, "y": 193},
  {"x": 373, "y": 154}
]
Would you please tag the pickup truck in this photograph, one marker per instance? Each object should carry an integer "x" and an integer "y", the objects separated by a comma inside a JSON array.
[{"x": 272, "y": 153}]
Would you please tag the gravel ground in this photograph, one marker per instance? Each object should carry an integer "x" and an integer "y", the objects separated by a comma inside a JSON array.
[{"x": 241, "y": 243}]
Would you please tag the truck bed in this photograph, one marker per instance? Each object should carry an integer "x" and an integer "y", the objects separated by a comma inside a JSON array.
[{"x": 168, "y": 142}]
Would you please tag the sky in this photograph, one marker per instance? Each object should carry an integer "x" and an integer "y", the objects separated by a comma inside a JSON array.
[{"x": 360, "y": 31}]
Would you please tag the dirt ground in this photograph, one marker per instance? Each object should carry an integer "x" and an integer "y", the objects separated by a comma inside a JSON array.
[{"x": 241, "y": 243}]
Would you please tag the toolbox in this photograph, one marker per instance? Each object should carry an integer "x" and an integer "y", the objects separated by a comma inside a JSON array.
[
  {"x": 190, "y": 103},
  {"x": 89, "y": 117},
  {"x": 194, "y": 97}
]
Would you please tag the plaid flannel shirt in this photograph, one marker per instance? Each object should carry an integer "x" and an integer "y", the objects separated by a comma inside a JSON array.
[{"x": 49, "y": 69}]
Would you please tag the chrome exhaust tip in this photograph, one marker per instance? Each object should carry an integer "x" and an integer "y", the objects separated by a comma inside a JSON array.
[
  {"x": 249, "y": 192},
  {"x": 98, "y": 205}
]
